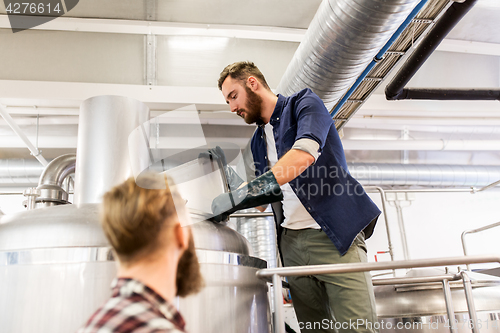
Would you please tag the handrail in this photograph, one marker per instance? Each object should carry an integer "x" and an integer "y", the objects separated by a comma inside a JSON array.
[
  {"x": 472, "y": 231},
  {"x": 376, "y": 266},
  {"x": 474, "y": 190},
  {"x": 276, "y": 274},
  {"x": 414, "y": 280},
  {"x": 255, "y": 214},
  {"x": 386, "y": 219}
]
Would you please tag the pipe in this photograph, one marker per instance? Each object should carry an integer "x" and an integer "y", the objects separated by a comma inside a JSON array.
[
  {"x": 449, "y": 94},
  {"x": 487, "y": 187},
  {"x": 402, "y": 230},
  {"x": 427, "y": 46},
  {"x": 473, "y": 231},
  {"x": 342, "y": 39},
  {"x": 386, "y": 219},
  {"x": 379, "y": 56},
  {"x": 52, "y": 179},
  {"x": 34, "y": 151},
  {"x": 112, "y": 143},
  {"x": 58, "y": 170}
]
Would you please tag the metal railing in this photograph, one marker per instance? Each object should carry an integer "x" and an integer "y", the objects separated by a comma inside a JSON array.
[
  {"x": 472, "y": 231},
  {"x": 277, "y": 273}
]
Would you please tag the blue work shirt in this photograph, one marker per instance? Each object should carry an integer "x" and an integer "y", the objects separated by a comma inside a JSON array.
[{"x": 336, "y": 201}]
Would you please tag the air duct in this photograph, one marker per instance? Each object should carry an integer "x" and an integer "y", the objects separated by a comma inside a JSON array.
[
  {"x": 20, "y": 172},
  {"x": 368, "y": 173},
  {"x": 424, "y": 174},
  {"x": 342, "y": 39}
]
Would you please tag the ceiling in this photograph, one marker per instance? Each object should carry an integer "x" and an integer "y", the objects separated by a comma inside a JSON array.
[{"x": 101, "y": 47}]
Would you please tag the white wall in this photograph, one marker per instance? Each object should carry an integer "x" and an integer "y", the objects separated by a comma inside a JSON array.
[{"x": 434, "y": 223}]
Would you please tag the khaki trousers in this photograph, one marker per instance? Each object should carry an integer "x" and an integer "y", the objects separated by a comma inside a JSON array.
[{"x": 329, "y": 303}]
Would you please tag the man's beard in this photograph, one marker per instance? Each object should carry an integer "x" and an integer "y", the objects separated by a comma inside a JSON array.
[
  {"x": 189, "y": 279},
  {"x": 254, "y": 105}
]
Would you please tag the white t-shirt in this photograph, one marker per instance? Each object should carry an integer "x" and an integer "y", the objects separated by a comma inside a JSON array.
[{"x": 296, "y": 216}]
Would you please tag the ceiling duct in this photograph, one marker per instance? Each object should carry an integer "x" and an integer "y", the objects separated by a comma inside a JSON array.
[
  {"x": 424, "y": 174},
  {"x": 20, "y": 171},
  {"x": 366, "y": 173},
  {"x": 342, "y": 39}
]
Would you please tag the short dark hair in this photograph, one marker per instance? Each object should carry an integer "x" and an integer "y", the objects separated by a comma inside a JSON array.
[{"x": 242, "y": 70}]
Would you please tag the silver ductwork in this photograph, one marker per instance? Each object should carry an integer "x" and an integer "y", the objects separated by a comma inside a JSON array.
[
  {"x": 20, "y": 171},
  {"x": 342, "y": 39},
  {"x": 365, "y": 173},
  {"x": 424, "y": 174}
]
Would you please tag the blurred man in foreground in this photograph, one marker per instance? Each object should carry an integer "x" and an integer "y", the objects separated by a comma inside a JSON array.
[{"x": 156, "y": 257}]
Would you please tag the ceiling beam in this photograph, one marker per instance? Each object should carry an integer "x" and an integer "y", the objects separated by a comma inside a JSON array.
[
  {"x": 71, "y": 92},
  {"x": 465, "y": 46},
  {"x": 217, "y": 30},
  {"x": 166, "y": 28}
]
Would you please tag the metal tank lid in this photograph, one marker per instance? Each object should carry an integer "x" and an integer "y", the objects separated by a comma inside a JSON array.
[
  {"x": 217, "y": 236},
  {"x": 58, "y": 226},
  {"x": 78, "y": 226}
]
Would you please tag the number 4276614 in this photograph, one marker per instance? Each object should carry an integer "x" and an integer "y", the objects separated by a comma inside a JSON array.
[{"x": 32, "y": 8}]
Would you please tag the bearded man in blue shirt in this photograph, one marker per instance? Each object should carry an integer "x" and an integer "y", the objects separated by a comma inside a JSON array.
[{"x": 325, "y": 214}]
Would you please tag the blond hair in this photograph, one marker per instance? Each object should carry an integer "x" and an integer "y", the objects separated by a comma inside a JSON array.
[{"x": 133, "y": 217}]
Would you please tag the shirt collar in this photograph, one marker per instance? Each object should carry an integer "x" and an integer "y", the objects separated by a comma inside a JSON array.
[
  {"x": 278, "y": 109},
  {"x": 125, "y": 287}
]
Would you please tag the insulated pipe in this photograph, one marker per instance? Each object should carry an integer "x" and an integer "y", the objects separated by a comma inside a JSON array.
[
  {"x": 454, "y": 145},
  {"x": 20, "y": 171},
  {"x": 34, "y": 151},
  {"x": 423, "y": 174},
  {"x": 342, "y": 39},
  {"x": 27, "y": 172},
  {"x": 449, "y": 94},
  {"x": 427, "y": 46}
]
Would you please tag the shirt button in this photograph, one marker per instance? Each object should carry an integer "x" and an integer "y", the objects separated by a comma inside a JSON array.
[
  {"x": 277, "y": 118},
  {"x": 265, "y": 157},
  {"x": 308, "y": 208}
]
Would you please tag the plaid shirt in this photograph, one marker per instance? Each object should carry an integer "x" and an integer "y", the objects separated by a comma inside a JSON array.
[{"x": 134, "y": 307}]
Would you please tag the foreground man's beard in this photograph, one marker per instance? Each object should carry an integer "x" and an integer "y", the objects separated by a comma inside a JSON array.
[
  {"x": 189, "y": 279},
  {"x": 254, "y": 108}
]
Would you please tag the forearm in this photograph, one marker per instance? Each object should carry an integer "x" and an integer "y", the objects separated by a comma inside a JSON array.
[{"x": 291, "y": 165}]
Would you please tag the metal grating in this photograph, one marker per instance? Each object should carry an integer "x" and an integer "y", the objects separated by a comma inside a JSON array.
[{"x": 417, "y": 29}]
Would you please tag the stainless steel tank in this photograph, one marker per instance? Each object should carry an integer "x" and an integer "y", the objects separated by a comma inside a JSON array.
[
  {"x": 56, "y": 268},
  {"x": 56, "y": 265},
  {"x": 422, "y": 307}
]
